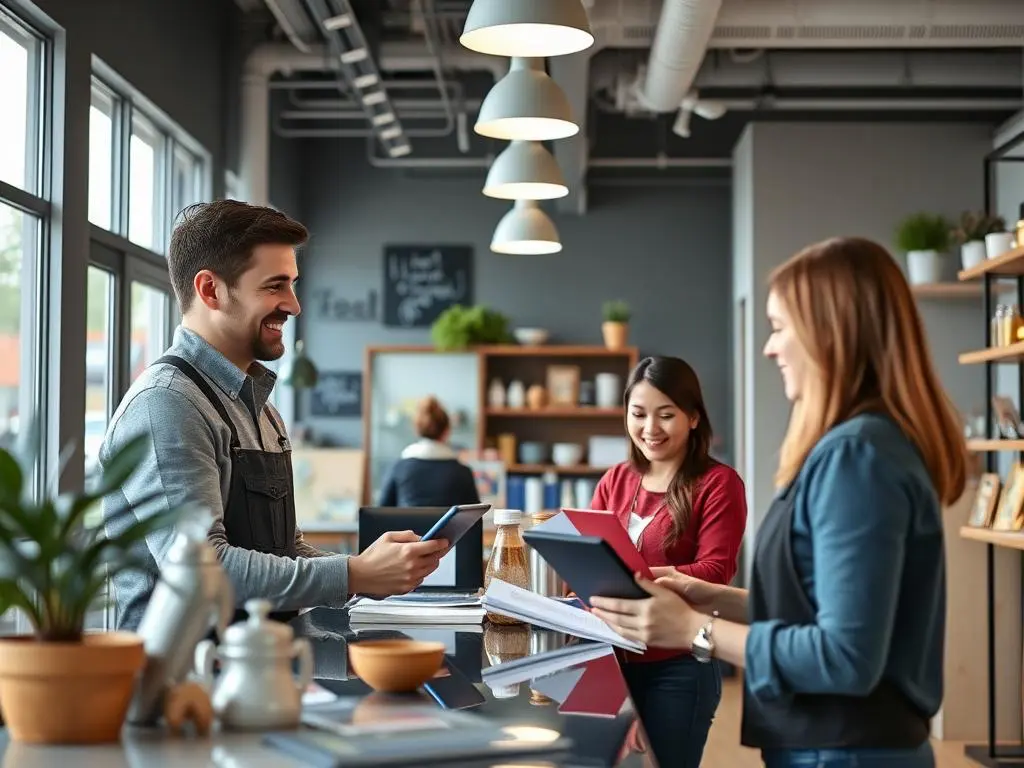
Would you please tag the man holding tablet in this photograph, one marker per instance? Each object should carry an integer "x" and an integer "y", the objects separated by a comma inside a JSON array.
[{"x": 215, "y": 440}]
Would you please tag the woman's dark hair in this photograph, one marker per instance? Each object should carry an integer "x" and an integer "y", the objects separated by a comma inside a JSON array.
[
  {"x": 431, "y": 419},
  {"x": 679, "y": 383}
]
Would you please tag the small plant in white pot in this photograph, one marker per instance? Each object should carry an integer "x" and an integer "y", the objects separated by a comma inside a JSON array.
[
  {"x": 61, "y": 684},
  {"x": 970, "y": 236},
  {"x": 924, "y": 237},
  {"x": 615, "y": 327}
]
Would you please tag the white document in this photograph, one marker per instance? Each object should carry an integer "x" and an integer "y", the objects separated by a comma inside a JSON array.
[
  {"x": 524, "y": 605},
  {"x": 444, "y": 576}
]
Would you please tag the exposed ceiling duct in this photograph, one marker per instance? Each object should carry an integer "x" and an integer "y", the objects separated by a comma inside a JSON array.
[{"x": 677, "y": 51}]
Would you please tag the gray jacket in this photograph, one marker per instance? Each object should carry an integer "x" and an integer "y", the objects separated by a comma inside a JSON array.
[{"x": 189, "y": 463}]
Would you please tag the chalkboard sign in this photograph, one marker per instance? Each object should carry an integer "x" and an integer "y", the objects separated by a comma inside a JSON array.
[
  {"x": 421, "y": 282},
  {"x": 337, "y": 393}
]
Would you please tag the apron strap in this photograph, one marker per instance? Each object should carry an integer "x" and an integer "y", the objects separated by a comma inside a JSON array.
[{"x": 204, "y": 386}]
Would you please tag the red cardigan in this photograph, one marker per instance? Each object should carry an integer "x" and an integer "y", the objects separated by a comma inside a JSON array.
[{"x": 709, "y": 546}]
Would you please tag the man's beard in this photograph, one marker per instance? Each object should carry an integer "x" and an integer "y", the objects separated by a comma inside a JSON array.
[{"x": 263, "y": 351}]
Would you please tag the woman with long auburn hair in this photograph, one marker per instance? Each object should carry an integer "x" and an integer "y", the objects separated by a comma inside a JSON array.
[
  {"x": 684, "y": 511},
  {"x": 841, "y": 632}
]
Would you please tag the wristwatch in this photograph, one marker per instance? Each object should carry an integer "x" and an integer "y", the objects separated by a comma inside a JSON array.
[{"x": 703, "y": 646}]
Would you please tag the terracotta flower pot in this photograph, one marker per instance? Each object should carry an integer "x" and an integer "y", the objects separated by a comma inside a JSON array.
[
  {"x": 615, "y": 334},
  {"x": 68, "y": 693}
]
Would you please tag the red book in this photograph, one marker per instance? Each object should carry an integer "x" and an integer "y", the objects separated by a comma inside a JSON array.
[{"x": 605, "y": 525}]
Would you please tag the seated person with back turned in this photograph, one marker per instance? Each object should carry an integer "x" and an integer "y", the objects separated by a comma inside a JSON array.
[
  {"x": 429, "y": 474},
  {"x": 215, "y": 440}
]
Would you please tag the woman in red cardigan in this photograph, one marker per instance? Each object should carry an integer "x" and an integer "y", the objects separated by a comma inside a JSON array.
[{"x": 683, "y": 510}]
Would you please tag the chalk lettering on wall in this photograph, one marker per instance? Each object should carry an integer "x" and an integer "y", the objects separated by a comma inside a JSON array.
[
  {"x": 333, "y": 308},
  {"x": 421, "y": 282},
  {"x": 338, "y": 394}
]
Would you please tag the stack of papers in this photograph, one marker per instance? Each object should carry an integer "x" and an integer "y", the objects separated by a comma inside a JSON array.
[
  {"x": 524, "y": 605},
  {"x": 419, "y": 608}
]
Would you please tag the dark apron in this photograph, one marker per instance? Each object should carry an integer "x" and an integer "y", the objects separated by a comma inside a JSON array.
[
  {"x": 884, "y": 719},
  {"x": 260, "y": 509}
]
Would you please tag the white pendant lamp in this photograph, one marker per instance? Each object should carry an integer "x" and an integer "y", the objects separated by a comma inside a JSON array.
[
  {"x": 539, "y": 28},
  {"x": 526, "y": 230},
  {"x": 525, "y": 171},
  {"x": 526, "y": 104}
]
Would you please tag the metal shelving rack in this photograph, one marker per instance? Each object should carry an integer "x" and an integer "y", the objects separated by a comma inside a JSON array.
[{"x": 1010, "y": 266}]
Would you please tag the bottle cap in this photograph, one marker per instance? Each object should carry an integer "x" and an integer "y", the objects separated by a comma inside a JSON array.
[{"x": 507, "y": 516}]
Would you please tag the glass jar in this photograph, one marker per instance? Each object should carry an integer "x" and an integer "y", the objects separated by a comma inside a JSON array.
[{"x": 509, "y": 561}]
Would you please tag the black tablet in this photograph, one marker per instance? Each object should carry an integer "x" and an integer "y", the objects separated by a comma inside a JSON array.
[
  {"x": 587, "y": 564},
  {"x": 454, "y": 523}
]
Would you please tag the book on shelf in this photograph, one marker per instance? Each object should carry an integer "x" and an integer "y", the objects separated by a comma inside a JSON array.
[{"x": 547, "y": 613}]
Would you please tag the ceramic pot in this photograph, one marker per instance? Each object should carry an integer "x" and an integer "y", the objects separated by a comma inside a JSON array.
[
  {"x": 924, "y": 267},
  {"x": 616, "y": 335},
  {"x": 998, "y": 243},
  {"x": 972, "y": 253},
  {"x": 69, "y": 693}
]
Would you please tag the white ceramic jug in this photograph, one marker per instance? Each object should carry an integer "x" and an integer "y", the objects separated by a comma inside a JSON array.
[{"x": 256, "y": 689}]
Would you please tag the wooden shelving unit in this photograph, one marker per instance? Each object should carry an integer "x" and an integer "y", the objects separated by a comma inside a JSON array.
[
  {"x": 1012, "y": 353},
  {"x": 1009, "y": 539},
  {"x": 947, "y": 290},
  {"x": 527, "y": 364},
  {"x": 984, "y": 446},
  {"x": 564, "y": 412}
]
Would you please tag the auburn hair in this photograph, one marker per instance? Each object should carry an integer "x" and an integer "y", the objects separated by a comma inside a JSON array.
[
  {"x": 677, "y": 380},
  {"x": 431, "y": 420},
  {"x": 853, "y": 313}
]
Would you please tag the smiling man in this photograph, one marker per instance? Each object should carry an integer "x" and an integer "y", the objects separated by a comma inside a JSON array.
[{"x": 215, "y": 440}]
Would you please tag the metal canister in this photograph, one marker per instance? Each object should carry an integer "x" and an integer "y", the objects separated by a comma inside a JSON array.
[
  {"x": 543, "y": 578},
  {"x": 192, "y": 596}
]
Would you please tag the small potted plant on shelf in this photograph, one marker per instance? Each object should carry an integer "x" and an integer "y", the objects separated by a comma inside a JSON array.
[
  {"x": 970, "y": 235},
  {"x": 615, "y": 327},
  {"x": 61, "y": 684},
  {"x": 924, "y": 237},
  {"x": 460, "y": 327}
]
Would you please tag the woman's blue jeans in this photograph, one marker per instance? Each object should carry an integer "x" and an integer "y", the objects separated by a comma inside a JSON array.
[
  {"x": 676, "y": 700},
  {"x": 922, "y": 757}
]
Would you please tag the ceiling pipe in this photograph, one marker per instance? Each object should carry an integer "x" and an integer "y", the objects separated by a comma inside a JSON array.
[
  {"x": 269, "y": 59},
  {"x": 680, "y": 41}
]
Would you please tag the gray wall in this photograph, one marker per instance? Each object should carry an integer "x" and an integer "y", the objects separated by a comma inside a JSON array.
[
  {"x": 811, "y": 181},
  {"x": 665, "y": 249},
  {"x": 183, "y": 55}
]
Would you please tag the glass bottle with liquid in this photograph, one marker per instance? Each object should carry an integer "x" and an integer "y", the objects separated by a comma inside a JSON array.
[{"x": 509, "y": 560}]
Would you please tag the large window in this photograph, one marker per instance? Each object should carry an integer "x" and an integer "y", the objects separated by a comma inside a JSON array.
[
  {"x": 21, "y": 96},
  {"x": 19, "y": 319},
  {"x": 143, "y": 169},
  {"x": 101, "y": 157},
  {"x": 99, "y": 363},
  {"x": 149, "y": 326},
  {"x": 24, "y": 216}
]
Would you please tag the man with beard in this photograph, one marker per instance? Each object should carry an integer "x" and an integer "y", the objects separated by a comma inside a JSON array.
[{"x": 216, "y": 442}]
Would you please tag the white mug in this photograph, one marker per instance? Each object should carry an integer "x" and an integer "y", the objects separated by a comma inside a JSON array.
[{"x": 608, "y": 390}]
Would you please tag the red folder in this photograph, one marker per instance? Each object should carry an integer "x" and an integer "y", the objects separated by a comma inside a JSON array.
[
  {"x": 605, "y": 525},
  {"x": 601, "y": 691}
]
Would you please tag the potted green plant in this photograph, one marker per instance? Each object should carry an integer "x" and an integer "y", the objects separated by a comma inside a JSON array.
[
  {"x": 615, "y": 327},
  {"x": 924, "y": 237},
  {"x": 62, "y": 684},
  {"x": 971, "y": 233},
  {"x": 460, "y": 327}
]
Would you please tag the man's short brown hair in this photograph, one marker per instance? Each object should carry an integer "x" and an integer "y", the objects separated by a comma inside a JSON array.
[{"x": 220, "y": 236}]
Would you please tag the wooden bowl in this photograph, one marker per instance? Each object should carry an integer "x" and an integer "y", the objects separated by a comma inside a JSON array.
[{"x": 395, "y": 666}]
